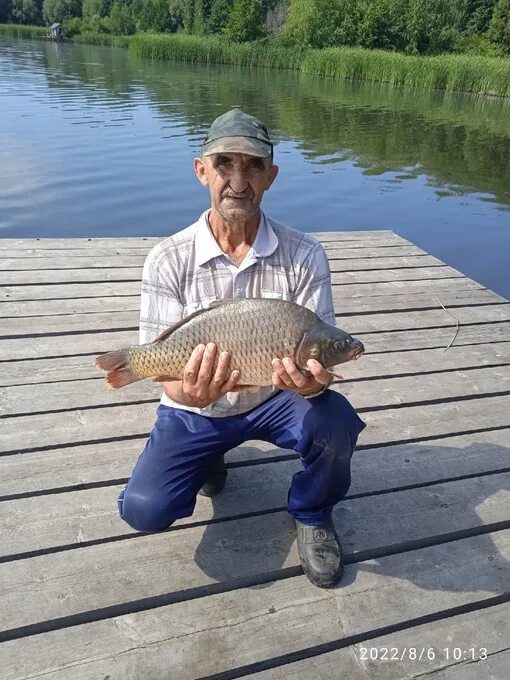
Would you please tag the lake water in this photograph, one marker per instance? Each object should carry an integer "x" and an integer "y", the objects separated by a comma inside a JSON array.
[{"x": 96, "y": 143}]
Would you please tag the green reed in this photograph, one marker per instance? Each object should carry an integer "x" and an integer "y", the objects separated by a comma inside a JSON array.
[
  {"x": 213, "y": 51},
  {"x": 20, "y": 31},
  {"x": 467, "y": 73}
]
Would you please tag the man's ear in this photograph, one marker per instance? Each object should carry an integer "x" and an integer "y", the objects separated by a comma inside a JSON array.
[
  {"x": 273, "y": 172},
  {"x": 199, "y": 165}
]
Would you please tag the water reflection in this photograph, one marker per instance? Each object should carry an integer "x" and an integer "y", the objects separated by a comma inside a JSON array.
[
  {"x": 455, "y": 138},
  {"x": 113, "y": 139}
]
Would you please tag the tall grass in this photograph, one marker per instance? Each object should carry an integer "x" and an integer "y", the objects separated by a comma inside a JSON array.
[
  {"x": 213, "y": 50},
  {"x": 466, "y": 73},
  {"x": 19, "y": 31},
  {"x": 103, "y": 39}
]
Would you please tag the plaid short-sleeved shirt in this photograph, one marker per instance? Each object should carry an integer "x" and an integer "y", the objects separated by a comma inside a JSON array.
[{"x": 188, "y": 271}]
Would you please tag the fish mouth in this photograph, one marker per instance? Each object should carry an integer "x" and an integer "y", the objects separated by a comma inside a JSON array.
[{"x": 358, "y": 351}]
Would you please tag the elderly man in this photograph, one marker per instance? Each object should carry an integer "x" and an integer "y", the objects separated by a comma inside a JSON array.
[{"x": 233, "y": 251}]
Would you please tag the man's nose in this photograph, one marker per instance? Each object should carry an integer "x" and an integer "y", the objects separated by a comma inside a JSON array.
[{"x": 238, "y": 180}]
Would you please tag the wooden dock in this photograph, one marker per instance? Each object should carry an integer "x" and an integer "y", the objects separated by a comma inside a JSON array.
[{"x": 425, "y": 527}]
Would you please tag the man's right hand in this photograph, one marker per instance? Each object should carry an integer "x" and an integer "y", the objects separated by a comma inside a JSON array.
[{"x": 201, "y": 384}]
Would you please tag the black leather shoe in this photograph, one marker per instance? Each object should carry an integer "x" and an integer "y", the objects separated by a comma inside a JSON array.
[
  {"x": 215, "y": 480},
  {"x": 320, "y": 553}
]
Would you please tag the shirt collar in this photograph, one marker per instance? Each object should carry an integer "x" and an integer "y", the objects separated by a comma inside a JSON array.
[{"x": 207, "y": 248}]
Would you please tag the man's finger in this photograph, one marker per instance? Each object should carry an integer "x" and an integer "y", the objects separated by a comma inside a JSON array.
[
  {"x": 281, "y": 373},
  {"x": 231, "y": 382},
  {"x": 318, "y": 371},
  {"x": 207, "y": 365},
  {"x": 294, "y": 373},
  {"x": 222, "y": 373},
  {"x": 189, "y": 375}
]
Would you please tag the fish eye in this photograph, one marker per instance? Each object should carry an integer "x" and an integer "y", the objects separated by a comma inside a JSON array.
[{"x": 338, "y": 344}]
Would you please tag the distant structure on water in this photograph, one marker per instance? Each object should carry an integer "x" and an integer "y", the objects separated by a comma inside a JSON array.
[{"x": 57, "y": 33}]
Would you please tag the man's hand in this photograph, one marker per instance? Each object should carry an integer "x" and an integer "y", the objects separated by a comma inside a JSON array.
[
  {"x": 201, "y": 384},
  {"x": 287, "y": 376}
]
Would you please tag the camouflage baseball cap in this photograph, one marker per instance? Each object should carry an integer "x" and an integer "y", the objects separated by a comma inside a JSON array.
[{"x": 237, "y": 132}]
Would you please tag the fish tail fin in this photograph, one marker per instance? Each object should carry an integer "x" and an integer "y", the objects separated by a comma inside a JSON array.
[{"x": 116, "y": 364}]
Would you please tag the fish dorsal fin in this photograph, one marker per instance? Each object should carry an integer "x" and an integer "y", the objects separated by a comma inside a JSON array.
[
  {"x": 171, "y": 329},
  {"x": 219, "y": 303}
]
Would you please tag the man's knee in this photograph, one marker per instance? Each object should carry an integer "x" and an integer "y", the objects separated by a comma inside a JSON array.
[
  {"x": 149, "y": 514},
  {"x": 333, "y": 420}
]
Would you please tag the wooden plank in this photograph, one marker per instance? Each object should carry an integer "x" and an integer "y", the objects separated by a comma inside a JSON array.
[
  {"x": 62, "y": 291},
  {"x": 199, "y": 556},
  {"x": 123, "y": 271},
  {"x": 415, "y": 274},
  {"x": 17, "y": 260},
  {"x": 438, "y": 646},
  {"x": 365, "y": 323},
  {"x": 96, "y": 244},
  {"x": 34, "y": 308},
  {"x": 252, "y": 624},
  {"x": 344, "y": 305},
  {"x": 69, "y": 277},
  {"x": 117, "y": 288}
]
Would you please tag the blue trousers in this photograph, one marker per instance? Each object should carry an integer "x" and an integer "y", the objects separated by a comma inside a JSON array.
[{"x": 183, "y": 446}]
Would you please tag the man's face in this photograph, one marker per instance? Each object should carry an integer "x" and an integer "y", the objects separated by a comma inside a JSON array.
[{"x": 236, "y": 183}]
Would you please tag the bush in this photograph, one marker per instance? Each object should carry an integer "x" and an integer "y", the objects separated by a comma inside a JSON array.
[
  {"x": 5, "y": 11},
  {"x": 59, "y": 10},
  {"x": 26, "y": 12},
  {"x": 499, "y": 29},
  {"x": 159, "y": 16},
  {"x": 121, "y": 20},
  {"x": 467, "y": 43},
  {"x": 73, "y": 26},
  {"x": 245, "y": 22},
  {"x": 218, "y": 17},
  {"x": 96, "y": 8}
]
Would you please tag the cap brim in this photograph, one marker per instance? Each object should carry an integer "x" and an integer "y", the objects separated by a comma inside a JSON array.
[{"x": 247, "y": 145}]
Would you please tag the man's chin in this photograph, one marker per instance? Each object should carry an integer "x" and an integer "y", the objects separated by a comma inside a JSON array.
[{"x": 237, "y": 214}]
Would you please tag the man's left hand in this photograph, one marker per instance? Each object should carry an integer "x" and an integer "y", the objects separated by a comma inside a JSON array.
[{"x": 287, "y": 376}]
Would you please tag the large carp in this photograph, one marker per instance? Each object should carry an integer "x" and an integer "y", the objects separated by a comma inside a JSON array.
[{"x": 254, "y": 331}]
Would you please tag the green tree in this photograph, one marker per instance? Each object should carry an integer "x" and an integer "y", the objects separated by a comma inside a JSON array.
[
  {"x": 5, "y": 11},
  {"x": 323, "y": 23},
  {"x": 187, "y": 16},
  {"x": 160, "y": 16},
  {"x": 198, "y": 18},
  {"x": 478, "y": 15},
  {"x": 100, "y": 8},
  {"x": 218, "y": 17},
  {"x": 384, "y": 25},
  {"x": 59, "y": 10},
  {"x": 246, "y": 21},
  {"x": 121, "y": 20},
  {"x": 499, "y": 29},
  {"x": 26, "y": 12}
]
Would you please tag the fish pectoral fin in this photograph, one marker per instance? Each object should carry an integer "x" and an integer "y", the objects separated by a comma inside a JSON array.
[{"x": 164, "y": 378}]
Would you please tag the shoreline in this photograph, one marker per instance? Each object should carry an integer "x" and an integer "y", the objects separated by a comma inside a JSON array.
[{"x": 471, "y": 74}]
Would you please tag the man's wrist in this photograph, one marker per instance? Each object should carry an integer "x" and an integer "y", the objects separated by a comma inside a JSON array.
[{"x": 315, "y": 394}]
